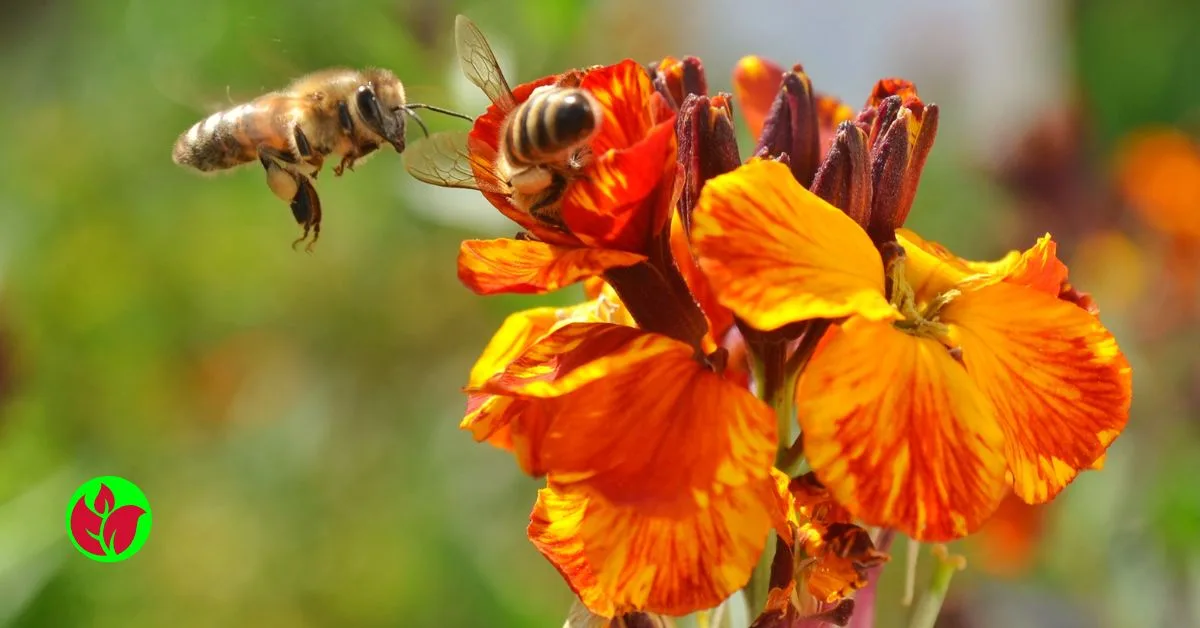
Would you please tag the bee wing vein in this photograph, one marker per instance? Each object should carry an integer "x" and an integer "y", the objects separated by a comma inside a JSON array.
[
  {"x": 443, "y": 159},
  {"x": 479, "y": 64}
]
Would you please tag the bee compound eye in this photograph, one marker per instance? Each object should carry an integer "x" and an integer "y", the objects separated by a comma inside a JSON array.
[{"x": 368, "y": 107}]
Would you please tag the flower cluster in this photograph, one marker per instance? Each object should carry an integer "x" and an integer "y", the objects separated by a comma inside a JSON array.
[{"x": 766, "y": 352}]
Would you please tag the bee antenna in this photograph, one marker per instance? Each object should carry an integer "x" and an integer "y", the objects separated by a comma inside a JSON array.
[
  {"x": 453, "y": 114},
  {"x": 417, "y": 119}
]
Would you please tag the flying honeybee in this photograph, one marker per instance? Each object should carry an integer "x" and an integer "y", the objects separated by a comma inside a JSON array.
[
  {"x": 342, "y": 112},
  {"x": 543, "y": 141}
]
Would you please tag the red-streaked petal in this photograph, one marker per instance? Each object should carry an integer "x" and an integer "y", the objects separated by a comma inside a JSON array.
[
  {"x": 488, "y": 419},
  {"x": 671, "y": 560},
  {"x": 899, "y": 434},
  {"x": 625, "y": 92},
  {"x": 531, "y": 267},
  {"x": 615, "y": 204},
  {"x": 579, "y": 354},
  {"x": 692, "y": 429},
  {"x": 756, "y": 83},
  {"x": 1056, "y": 377},
  {"x": 777, "y": 253}
]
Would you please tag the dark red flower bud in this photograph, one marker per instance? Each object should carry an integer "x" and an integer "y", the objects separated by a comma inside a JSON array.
[
  {"x": 902, "y": 134},
  {"x": 792, "y": 127},
  {"x": 844, "y": 178},
  {"x": 889, "y": 157},
  {"x": 677, "y": 79},
  {"x": 707, "y": 147}
]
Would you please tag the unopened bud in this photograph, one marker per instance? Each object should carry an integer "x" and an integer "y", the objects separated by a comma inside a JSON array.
[
  {"x": 791, "y": 127},
  {"x": 844, "y": 178},
  {"x": 889, "y": 163},
  {"x": 707, "y": 147}
]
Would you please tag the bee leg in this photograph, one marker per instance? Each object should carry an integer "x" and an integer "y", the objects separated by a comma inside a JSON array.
[
  {"x": 306, "y": 208},
  {"x": 352, "y": 157},
  {"x": 347, "y": 164},
  {"x": 306, "y": 152},
  {"x": 296, "y": 189}
]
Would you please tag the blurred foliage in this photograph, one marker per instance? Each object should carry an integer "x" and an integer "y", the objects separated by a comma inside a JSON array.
[{"x": 293, "y": 418}]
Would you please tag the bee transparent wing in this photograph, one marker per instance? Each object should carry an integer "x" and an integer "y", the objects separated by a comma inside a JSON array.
[
  {"x": 444, "y": 159},
  {"x": 479, "y": 63}
]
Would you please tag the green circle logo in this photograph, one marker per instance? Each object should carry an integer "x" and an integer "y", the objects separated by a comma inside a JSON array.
[{"x": 109, "y": 519}]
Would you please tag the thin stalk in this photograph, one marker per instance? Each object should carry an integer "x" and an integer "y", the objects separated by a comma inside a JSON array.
[
  {"x": 759, "y": 587},
  {"x": 926, "y": 613}
]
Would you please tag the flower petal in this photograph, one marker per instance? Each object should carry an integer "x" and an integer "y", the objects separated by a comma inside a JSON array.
[
  {"x": 1038, "y": 268},
  {"x": 624, "y": 90},
  {"x": 776, "y": 253},
  {"x": 653, "y": 412},
  {"x": 1059, "y": 383},
  {"x": 516, "y": 333},
  {"x": 930, "y": 268},
  {"x": 899, "y": 434},
  {"x": 489, "y": 418},
  {"x": 531, "y": 267},
  {"x": 616, "y": 204},
  {"x": 625, "y": 557},
  {"x": 756, "y": 83}
]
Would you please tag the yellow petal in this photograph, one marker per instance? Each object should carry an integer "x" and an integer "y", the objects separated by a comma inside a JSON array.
[
  {"x": 930, "y": 268},
  {"x": 776, "y": 253},
  {"x": 516, "y": 333},
  {"x": 899, "y": 434},
  {"x": 1058, "y": 381}
]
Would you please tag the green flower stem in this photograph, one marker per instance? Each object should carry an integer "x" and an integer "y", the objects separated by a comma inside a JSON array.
[
  {"x": 926, "y": 613},
  {"x": 759, "y": 587}
]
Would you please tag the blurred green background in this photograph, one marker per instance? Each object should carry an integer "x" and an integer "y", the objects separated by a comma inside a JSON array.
[{"x": 293, "y": 417}]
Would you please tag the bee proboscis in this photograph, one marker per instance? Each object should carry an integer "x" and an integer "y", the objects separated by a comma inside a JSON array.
[
  {"x": 339, "y": 111},
  {"x": 543, "y": 141}
]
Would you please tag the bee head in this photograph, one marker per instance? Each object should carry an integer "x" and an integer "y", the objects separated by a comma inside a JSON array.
[{"x": 380, "y": 104}]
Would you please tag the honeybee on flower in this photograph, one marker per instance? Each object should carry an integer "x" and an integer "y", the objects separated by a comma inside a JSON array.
[{"x": 747, "y": 318}]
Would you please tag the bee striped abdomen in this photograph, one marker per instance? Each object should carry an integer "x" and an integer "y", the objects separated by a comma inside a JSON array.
[
  {"x": 549, "y": 123},
  {"x": 229, "y": 138}
]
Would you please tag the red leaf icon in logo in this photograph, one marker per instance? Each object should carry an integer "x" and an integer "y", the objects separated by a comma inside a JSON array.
[
  {"x": 85, "y": 527},
  {"x": 121, "y": 526},
  {"x": 104, "y": 501}
]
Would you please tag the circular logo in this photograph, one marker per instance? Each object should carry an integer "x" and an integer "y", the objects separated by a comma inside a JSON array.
[{"x": 108, "y": 519}]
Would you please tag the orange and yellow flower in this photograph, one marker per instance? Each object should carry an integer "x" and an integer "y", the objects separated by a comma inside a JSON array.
[
  {"x": 659, "y": 494},
  {"x": 611, "y": 212},
  {"x": 944, "y": 383}
]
